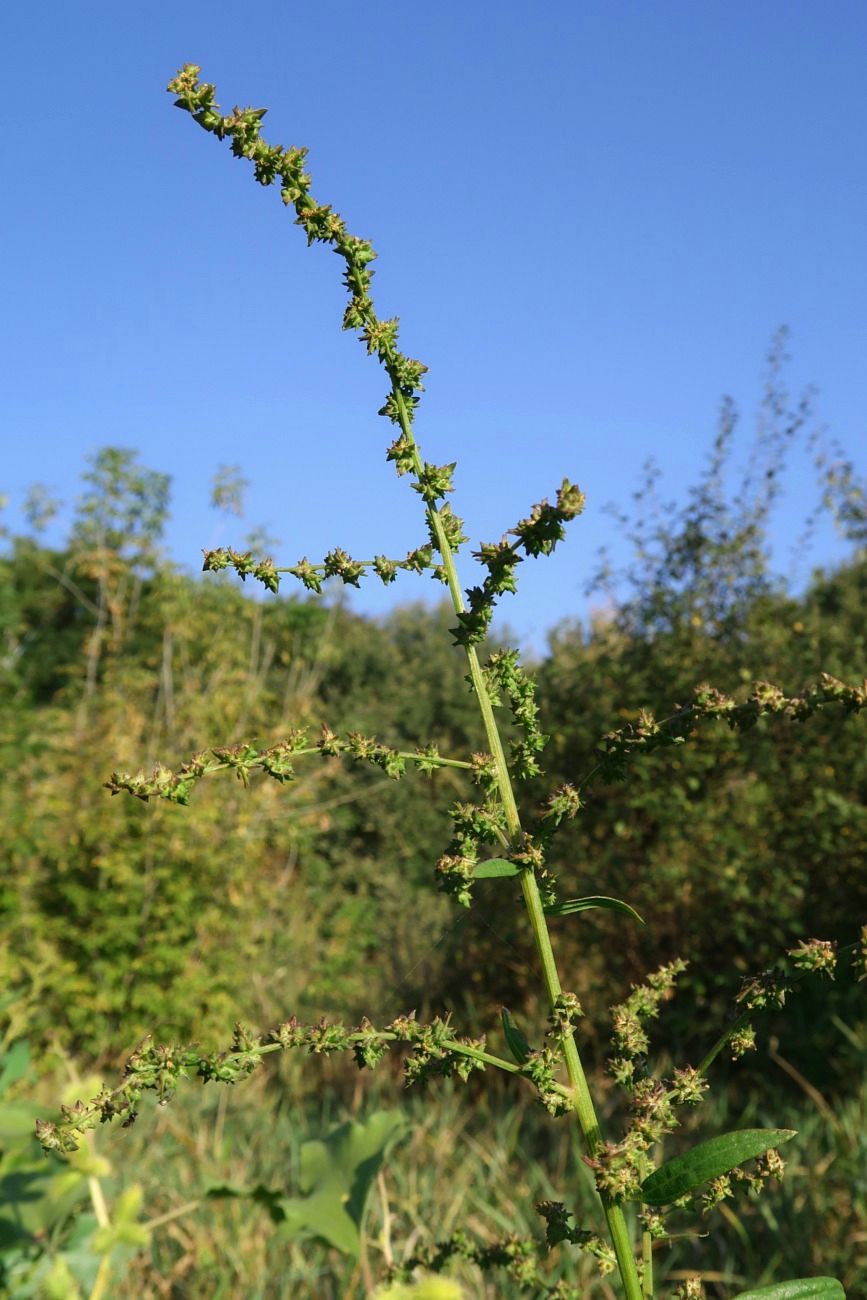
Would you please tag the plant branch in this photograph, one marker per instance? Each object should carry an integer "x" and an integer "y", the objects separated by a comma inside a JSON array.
[
  {"x": 649, "y": 734},
  {"x": 583, "y": 1102},
  {"x": 276, "y": 761}
]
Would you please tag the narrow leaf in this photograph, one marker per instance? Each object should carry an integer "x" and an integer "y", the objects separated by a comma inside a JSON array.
[
  {"x": 494, "y": 868},
  {"x": 709, "y": 1160},
  {"x": 596, "y": 900},
  {"x": 517, "y": 1043},
  {"x": 804, "y": 1288}
]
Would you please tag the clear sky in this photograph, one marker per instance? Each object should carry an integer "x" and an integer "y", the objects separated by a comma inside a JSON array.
[{"x": 590, "y": 216}]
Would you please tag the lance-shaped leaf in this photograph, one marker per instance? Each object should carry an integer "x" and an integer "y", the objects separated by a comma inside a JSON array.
[
  {"x": 517, "y": 1043},
  {"x": 494, "y": 869},
  {"x": 709, "y": 1160},
  {"x": 594, "y": 900},
  {"x": 804, "y": 1288}
]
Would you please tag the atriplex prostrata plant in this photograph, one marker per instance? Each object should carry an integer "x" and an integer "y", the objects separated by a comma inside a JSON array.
[{"x": 627, "y": 1172}]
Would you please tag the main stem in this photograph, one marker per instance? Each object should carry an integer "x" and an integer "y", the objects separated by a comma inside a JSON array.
[{"x": 584, "y": 1109}]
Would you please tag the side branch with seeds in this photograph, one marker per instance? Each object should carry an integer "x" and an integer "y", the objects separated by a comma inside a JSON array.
[
  {"x": 278, "y": 762},
  {"x": 435, "y": 1051},
  {"x": 765, "y": 700}
]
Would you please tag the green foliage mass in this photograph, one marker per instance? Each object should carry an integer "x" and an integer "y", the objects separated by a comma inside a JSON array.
[{"x": 120, "y": 918}]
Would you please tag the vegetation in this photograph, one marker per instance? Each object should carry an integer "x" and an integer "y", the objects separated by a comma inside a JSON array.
[{"x": 123, "y": 918}]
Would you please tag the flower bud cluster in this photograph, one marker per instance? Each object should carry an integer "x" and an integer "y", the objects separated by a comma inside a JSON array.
[
  {"x": 648, "y": 734},
  {"x": 768, "y": 990},
  {"x": 336, "y": 564},
  {"x": 517, "y": 1256},
  {"x": 765, "y": 991},
  {"x": 504, "y": 676},
  {"x": 454, "y": 872},
  {"x": 718, "y": 1190},
  {"x": 630, "y": 1039},
  {"x": 621, "y": 1167},
  {"x": 152, "y": 1067},
  {"x": 274, "y": 164},
  {"x": 653, "y": 1223},
  {"x": 544, "y": 528},
  {"x": 245, "y": 566},
  {"x": 159, "y": 1068},
  {"x": 540, "y": 1068},
  {"x": 618, "y": 1168},
  {"x": 561, "y": 805},
  {"x": 743, "y": 1040},
  {"x": 536, "y": 535},
  {"x": 817, "y": 955},
  {"x": 564, "y": 1017},
  {"x": 755, "y": 1177},
  {"x": 472, "y": 826},
  {"x": 275, "y": 761}
]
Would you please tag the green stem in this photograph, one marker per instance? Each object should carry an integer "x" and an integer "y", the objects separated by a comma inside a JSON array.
[
  {"x": 743, "y": 1019},
  {"x": 647, "y": 1265},
  {"x": 162, "y": 1219},
  {"x": 585, "y": 1111},
  {"x": 100, "y": 1211},
  {"x": 100, "y": 1284},
  {"x": 478, "y": 1055},
  {"x": 409, "y": 755},
  {"x": 450, "y": 1044}
]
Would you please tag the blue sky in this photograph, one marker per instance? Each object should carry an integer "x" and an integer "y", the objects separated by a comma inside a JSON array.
[{"x": 591, "y": 218}]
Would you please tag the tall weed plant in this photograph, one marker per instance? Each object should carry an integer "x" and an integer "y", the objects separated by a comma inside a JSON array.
[{"x": 648, "y": 1201}]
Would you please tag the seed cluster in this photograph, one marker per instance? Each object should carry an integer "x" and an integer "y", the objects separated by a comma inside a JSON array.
[
  {"x": 435, "y": 1052},
  {"x": 517, "y": 1256},
  {"x": 276, "y": 761}
]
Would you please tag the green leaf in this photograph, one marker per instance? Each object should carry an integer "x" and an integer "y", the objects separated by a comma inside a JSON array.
[
  {"x": 595, "y": 900},
  {"x": 709, "y": 1160},
  {"x": 335, "y": 1177},
  {"x": 17, "y": 1119},
  {"x": 59, "y": 1283},
  {"x": 14, "y": 1064},
  {"x": 495, "y": 868},
  {"x": 31, "y": 1202},
  {"x": 804, "y": 1288},
  {"x": 427, "y": 1288},
  {"x": 515, "y": 1040}
]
